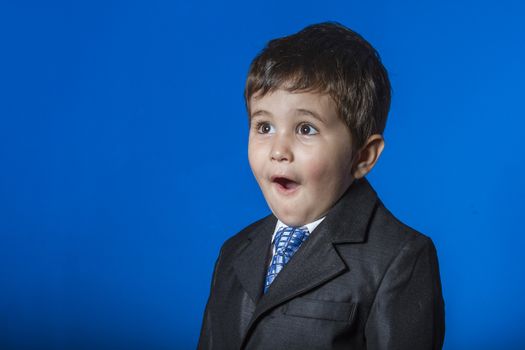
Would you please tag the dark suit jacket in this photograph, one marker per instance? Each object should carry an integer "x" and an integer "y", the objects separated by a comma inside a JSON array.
[{"x": 362, "y": 280}]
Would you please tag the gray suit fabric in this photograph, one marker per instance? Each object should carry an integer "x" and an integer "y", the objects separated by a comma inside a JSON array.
[{"x": 363, "y": 280}]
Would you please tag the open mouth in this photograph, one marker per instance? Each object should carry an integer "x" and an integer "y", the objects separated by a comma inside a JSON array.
[{"x": 284, "y": 184}]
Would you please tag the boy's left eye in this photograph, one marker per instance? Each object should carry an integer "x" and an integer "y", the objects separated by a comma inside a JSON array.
[{"x": 306, "y": 129}]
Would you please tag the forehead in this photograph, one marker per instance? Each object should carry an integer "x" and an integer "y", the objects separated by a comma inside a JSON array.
[{"x": 283, "y": 101}]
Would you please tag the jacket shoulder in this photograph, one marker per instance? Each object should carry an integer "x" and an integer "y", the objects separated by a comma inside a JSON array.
[{"x": 388, "y": 232}]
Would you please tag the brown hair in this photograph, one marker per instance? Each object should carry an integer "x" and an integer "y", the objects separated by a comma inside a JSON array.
[{"x": 327, "y": 58}]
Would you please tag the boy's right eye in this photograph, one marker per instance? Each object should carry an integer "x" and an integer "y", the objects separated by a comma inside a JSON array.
[{"x": 265, "y": 128}]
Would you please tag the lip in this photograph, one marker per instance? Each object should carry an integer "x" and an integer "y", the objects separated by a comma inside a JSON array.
[{"x": 284, "y": 184}]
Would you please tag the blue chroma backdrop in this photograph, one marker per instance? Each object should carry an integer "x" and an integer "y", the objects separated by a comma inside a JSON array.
[{"x": 124, "y": 166}]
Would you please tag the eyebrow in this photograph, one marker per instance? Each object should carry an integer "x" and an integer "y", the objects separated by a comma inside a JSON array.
[
  {"x": 298, "y": 112},
  {"x": 260, "y": 113},
  {"x": 301, "y": 111}
]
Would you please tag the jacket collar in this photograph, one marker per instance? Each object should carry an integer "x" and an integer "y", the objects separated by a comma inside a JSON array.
[
  {"x": 348, "y": 220},
  {"x": 251, "y": 263}
]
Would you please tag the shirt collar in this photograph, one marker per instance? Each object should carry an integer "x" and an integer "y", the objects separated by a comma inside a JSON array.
[{"x": 311, "y": 226}]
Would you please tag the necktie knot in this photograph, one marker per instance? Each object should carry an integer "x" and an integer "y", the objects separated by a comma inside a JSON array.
[{"x": 288, "y": 239}]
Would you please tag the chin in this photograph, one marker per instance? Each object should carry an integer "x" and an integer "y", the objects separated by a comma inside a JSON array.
[{"x": 290, "y": 220}]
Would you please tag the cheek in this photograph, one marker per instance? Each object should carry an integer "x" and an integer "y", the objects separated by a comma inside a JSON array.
[
  {"x": 255, "y": 158},
  {"x": 318, "y": 171},
  {"x": 327, "y": 173}
]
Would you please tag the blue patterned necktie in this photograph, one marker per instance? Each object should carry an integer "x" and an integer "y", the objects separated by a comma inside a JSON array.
[{"x": 287, "y": 241}]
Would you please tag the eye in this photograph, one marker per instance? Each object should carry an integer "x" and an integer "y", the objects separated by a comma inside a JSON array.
[
  {"x": 265, "y": 128},
  {"x": 306, "y": 129}
]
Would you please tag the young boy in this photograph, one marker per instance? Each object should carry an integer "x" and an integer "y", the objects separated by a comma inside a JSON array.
[{"x": 331, "y": 267}]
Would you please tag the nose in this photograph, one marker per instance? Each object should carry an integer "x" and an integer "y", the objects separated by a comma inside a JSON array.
[{"x": 281, "y": 149}]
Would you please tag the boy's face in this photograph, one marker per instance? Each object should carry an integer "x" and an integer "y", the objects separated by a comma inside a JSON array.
[{"x": 300, "y": 153}]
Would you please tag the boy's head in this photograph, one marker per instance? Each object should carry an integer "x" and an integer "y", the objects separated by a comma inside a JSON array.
[{"x": 317, "y": 102}]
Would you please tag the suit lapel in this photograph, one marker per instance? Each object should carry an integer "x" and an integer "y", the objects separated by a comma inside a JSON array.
[
  {"x": 250, "y": 265},
  {"x": 314, "y": 263},
  {"x": 317, "y": 261}
]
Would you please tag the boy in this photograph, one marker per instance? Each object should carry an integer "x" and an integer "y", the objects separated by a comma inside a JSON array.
[{"x": 330, "y": 268}]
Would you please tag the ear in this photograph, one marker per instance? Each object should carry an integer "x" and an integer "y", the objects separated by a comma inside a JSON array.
[{"x": 368, "y": 155}]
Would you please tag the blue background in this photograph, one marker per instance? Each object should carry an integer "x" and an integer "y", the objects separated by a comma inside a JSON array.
[{"x": 123, "y": 161}]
